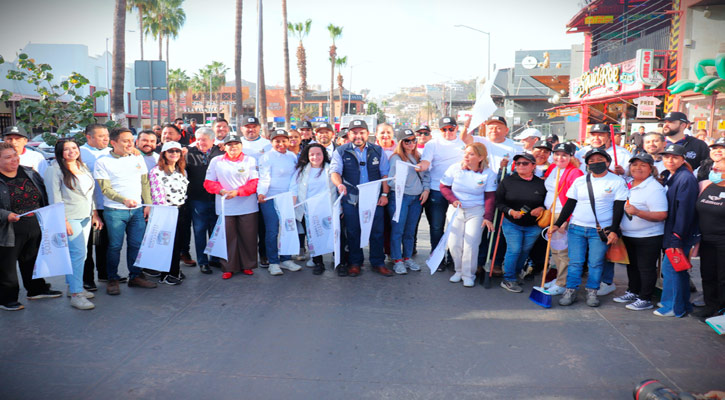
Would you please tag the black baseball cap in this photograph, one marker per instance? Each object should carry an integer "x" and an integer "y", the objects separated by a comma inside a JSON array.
[
  {"x": 278, "y": 132},
  {"x": 597, "y": 151},
  {"x": 642, "y": 157},
  {"x": 232, "y": 138},
  {"x": 543, "y": 144},
  {"x": 567, "y": 148},
  {"x": 447, "y": 121},
  {"x": 358, "y": 123},
  {"x": 324, "y": 125},
  {"x": 676, "y": 116},
  {"x": 599, "y": 128},
  {"x": 305, "y": 125},
  {"x": 497, "y": 119},
  {"x": 674, "y": 149},
  {"x": 402, "y": 134},
  {"x": 552, "y": 137},
  {"x": 718, "y": 143},
  {"x": 251, "y": 121},
  {"x": 15, "y": 130},
  {"x": 527, "y": 156},
  {"x": 423, "y": 127},
  {"x": 343, "y": 132}
]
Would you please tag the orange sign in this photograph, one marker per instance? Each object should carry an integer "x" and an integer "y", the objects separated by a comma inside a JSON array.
[{"x": 599, "y": 19}]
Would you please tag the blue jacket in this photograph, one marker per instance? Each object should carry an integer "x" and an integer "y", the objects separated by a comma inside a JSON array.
[
  {"x": 351, "y": 165},
  {"x": 682, "y": 192}
]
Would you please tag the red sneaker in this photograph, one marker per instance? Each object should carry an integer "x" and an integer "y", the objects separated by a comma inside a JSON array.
[
  {"x": 226, "y": 275},
  {"x": 247, "y": 272}
]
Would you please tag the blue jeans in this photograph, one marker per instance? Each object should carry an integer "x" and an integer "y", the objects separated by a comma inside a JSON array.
[
  {"x": 122, "y": 222},
  {"x": 580, "y": 239},
  {"x": 435, "y": 211},
  {"x": 403, "y": 231},
  {"x": 351, "y": 221},
  {"x": 608, "y": 272},
  {"x": 520, "y": 240},
  {"x": 675, "y": 288},
  {"x": 203, "y": 216},
  {"x": 271, "y": 223},
  {"x": 77, "y": 248}
]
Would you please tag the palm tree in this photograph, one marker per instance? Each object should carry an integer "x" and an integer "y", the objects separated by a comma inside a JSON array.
[
  {"x": 143, "y": 7},
  {"x": 301, "y": 30},
  {"x": 178, "y": 83},
  {"x": 335, "y": 33},
  {"x": 262, "y": 88},
  {"x": 287, "y": 86},
  {"x": 217, "y": 71},
  {"x": 238, "y": 63},
  {"x": 340, "y": 62},
  {"x": 119, "y": 61},
  {"x": 200, "y": 85}
]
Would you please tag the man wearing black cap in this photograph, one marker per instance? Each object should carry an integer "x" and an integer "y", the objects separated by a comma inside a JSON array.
[
  {"x": 18, "y": 137},
  {"x": 324, "y": 134},
  {"x": 342, "y": 137},
  {"x": 542, "y": 153},
  {"x": 600, "y": 136},
  {"x": 552, "y": 138},
  {"x": 674, "y": 127},
  {"x": 353, "y": 164},
  {"x": 500, "y": 148},
  {"x": 253, "y": 144},
  {"x": 423, "y": 134},
  {"x": 305, "y": 130}
]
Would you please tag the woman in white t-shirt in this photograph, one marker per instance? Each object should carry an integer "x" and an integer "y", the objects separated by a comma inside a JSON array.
[
  {"x": 471, "y": 187},
  {"x": 234, "y": 176},
  {"x": 642, "y": 231},
  {"x": 590, "y": 232}
]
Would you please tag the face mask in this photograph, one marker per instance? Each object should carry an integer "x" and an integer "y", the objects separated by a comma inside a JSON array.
[
  {"x": 597, "y": 168},
  {"x": 715, "y": 177}
]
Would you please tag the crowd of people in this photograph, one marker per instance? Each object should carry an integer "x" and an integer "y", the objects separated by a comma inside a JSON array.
[{"x": 664, "y": 198}]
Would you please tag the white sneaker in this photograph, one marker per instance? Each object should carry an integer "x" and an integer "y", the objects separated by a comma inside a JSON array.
[
  {"x": 290, "y": 265},
  {"x": 627, "y": 297},
  {"x": 84, "y": 293},
  {"x": 455, "y": 278},
  {"x": 605, "y": 289},
  {"x": 399, "y": 268},
  {"x": 555, "y": 290},
  {"x": 310, "y": 263},
  {"x": 81, "y": 302},
  {"x": 274, "y": 269},
  {"x": 550, "y": 284},
  {"x": 469, "y": 282},
  {"x": 412, "y": 265}
]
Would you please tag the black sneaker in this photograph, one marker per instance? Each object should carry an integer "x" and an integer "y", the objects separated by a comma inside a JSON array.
[
  {"x": 170, "y": 280},
  {"x": 123, "y": 279},
  {"x": 91, "y": 286},
  {"x": 151, "y": 272},
  {"x": 182, "y": 276},
  {"x": 511, "y": 286},
  {"x": 215, "y": 264},
  {"x": 205, "y": 269},
  {"x": 46, "y": 294},
  {"x": 12, "y": 306},
  {"x": 319, "y": 269},
  {"x": 342, "y": 270},
  {"x": 264, "y": 262}
]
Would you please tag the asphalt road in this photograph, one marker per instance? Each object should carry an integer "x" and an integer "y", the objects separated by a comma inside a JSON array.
[{"x": 300, "y": 336}]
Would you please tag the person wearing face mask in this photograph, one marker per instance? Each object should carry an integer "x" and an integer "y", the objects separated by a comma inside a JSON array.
[
  {"x": 594, "y": 224},
  {"x": 711, "y": 216},
  {"x": 305, "y": 129},
  {"x": 674, "y": 127}
]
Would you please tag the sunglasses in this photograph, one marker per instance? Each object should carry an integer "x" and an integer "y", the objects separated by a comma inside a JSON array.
[
  {"x": 448, "y": 129},
  {"x": 523, "y": 163},
  {"x": 423, "y": 133},
  {"x": 173, "y": 151},
  {"x": 409, "y": 141}
]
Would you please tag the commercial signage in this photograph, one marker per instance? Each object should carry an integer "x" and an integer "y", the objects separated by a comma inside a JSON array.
[
  {"x": 630, "y": 76},
  {"x": 645, "y": 68},
  {"x": 599, "y": 19},
  {"x": 646, "y": 107}
]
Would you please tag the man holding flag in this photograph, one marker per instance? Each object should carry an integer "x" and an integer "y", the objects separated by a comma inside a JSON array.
[{"x": 353, "y": 164}]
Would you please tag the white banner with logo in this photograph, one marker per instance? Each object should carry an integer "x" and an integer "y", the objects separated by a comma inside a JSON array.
[
  {"x": 436, "y": 256},
  {"x": 402, "y": 169},
  {"x": 367, "y": 203},
  {"x": 319, "y": 217},
  {"x": 157, "y": 246},
  {"x": 53, "y": 255},
  {"x": 288, "y": 240},
  {"x": 336, "y": 229},
  {"x": 217, "y": 244}
]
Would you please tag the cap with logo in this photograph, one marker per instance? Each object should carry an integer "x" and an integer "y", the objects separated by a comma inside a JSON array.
[
  {"x": 543, "y": 144},
  {"x": 599, "y": 128},
  {"x": 358, "y": 123},
  {"x": 305, "y": 125},
  {"x": 718, "y": 143},
  {"x": 423, "y": 127},
  {"x": 170, "y": 145},
  {"x": 552, "y": 137},
  {"x": 676, "y": 116},
  {"x": 251, "y": 121},
  {"x": 446, "y": 121},
  {"x": 642, "y": 156},
  {"x": 324, "y": 125},
  {"x": 15, "y": 130},
  {"x": 496, "y": 119},
  {"x": 674, "y": 149},
  {"x": 597, "y": 151},
  {"x": 528, "y": 133},
  {"x": 277, "y": 133},
  {"x": 402, "y": 134},
  {"x": 527, "y": 156},
  {"x": 232, "y": 139},
  {"x": 567, "y": 148}
]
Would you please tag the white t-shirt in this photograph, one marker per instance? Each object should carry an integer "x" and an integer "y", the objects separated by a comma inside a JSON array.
[
  {"x": 124, "y": 174},
  {"x": 606, "y": 190},
  {"x": 441, "y": 154},
  {"x": 623, "y": 157},
  {"x": 660, "y": 165},
  {"x": 498, "y": 151},
  {"x": 89, "y": 155},
  {"x": 551, "y": 190},
  {"x": 151, "y": 160},
  {"x": 232, "y": 175},
  {"x": 648, "y": 196},
  {"x": 256, "y": 148},
  {"x": 33, "y": 159},
  {"x": 275, "y": 172},
  {"x": 469, "y": 186}
]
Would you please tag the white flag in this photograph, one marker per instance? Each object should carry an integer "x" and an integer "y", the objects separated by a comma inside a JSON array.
[
  {"x": 437, "y": 255},
  {"x": 157, "y": 246},
  {"x": 217, "y": 244},
  {"x": 484, "y": 106},
  {"x": 402, "y": 169},
  {"x": 319, "y": 217},
  {"x": 367, "y": 204},
  {"x": 53, "y": 256},
  {"x": 288, "y": 240},
  {"x": 336, "y": 229}
]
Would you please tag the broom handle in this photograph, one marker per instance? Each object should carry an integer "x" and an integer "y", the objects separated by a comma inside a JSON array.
[
  {"x": 498, "y": 233},
  {"x": 490, "y": 241},
  {"x": 551, "y": 226}
]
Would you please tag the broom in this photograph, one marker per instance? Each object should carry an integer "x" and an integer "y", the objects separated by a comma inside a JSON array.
[
  {"x": 539, "y": 295},
  {"x": 487, "y": 277}
]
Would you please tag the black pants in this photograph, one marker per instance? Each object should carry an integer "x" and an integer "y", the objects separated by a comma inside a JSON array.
[
  {"x": 185, "y": 233},
  {"x": 27, "y": 242},
  {"x": 712, "y": 271},
  {"x": 261, "y": 232},
  {"x": 642, "y": 269},
  {"x": 179, "y": 241},
  {"x": 537, "y": 255},
  {"x": 100, "y": 240}
]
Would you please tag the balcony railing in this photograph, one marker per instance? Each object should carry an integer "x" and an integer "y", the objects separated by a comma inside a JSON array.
[{"x": 616, "y": 52}]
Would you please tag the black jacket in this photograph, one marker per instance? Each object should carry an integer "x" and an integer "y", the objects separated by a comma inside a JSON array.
[
  {"x": 7, "y": 233},
  {"x": 196, "y": 166},
  {"x": 696, "y": 151}
]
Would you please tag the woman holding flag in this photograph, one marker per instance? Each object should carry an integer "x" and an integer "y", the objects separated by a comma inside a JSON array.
[
  {"x": 417, "y": 188},
  {"x": 311, "y": 178},
  {"x": 169, "y": 185},
  {"x": 69, "y": 181},
  {"x": 471, "y": 187}
]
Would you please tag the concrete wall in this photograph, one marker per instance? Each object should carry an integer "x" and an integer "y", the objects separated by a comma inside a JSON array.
[{"x": 706, "y": 35}]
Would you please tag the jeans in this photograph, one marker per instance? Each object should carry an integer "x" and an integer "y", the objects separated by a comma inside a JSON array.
[
  {"x": 608, "y": 272},
  {"x": 403, "y": 231},
  {"x": 520, "y": 241},
  {"x": 122, "y": 222},
  {"x": 435, "y": 212},
  {"x": 675, "y": 288},
  {"x": 351, "y": 222},
  {"x": 77, "y": 248},
  {"x": 580, "y": 239},
  {"x": 271, "y": 222},
  {"x": 204, "y": 217}
]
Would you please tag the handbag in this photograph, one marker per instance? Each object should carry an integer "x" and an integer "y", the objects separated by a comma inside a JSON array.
[
  {"x": 617, "y": 253},
  {"x": 678, "y": 259},
  {"x": 544, "y": 219}
]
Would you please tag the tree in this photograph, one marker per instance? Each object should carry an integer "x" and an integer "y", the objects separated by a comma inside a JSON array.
[
  {"x": 178, "y": 83},
  {"x": 262, "y": 101},
  {"x": 301, "y": 30},
  {"x": 200, "y": 85},
  {"x": 217, "y": 71},
  {"x": 287, "y": 85},
  {"x": 238, "y": 105},
  {"x": 373, "y": 109},
  {"x": 61, "y": 106},
  {"x": 142, "y": 6},
  {"x": 335, "y": 33},
  {"x": 340, "y": 62},
  {"x": 119, "y": 62}
]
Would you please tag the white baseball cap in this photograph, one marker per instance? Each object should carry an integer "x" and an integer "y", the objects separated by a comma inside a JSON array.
[
  {"x": 170, "y": 145},
  {"x": 527, "y": 133}
]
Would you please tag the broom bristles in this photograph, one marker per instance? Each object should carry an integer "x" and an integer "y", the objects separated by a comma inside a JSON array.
[{"x": 541, "y": 297}]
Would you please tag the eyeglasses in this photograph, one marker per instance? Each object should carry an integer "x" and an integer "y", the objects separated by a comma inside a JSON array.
[
  {"x": 173, "y": 151},
  {"x": 423, "y": 133},
  {"x": 523, "y": 163},
  {"x": 409, "y": 141},
  {"x": 448, "y": 129}
]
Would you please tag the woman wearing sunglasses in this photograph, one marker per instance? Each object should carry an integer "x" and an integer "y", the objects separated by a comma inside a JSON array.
[
  {"x": 520, "y": 199},
  {"x": 417, "y": 188}
]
